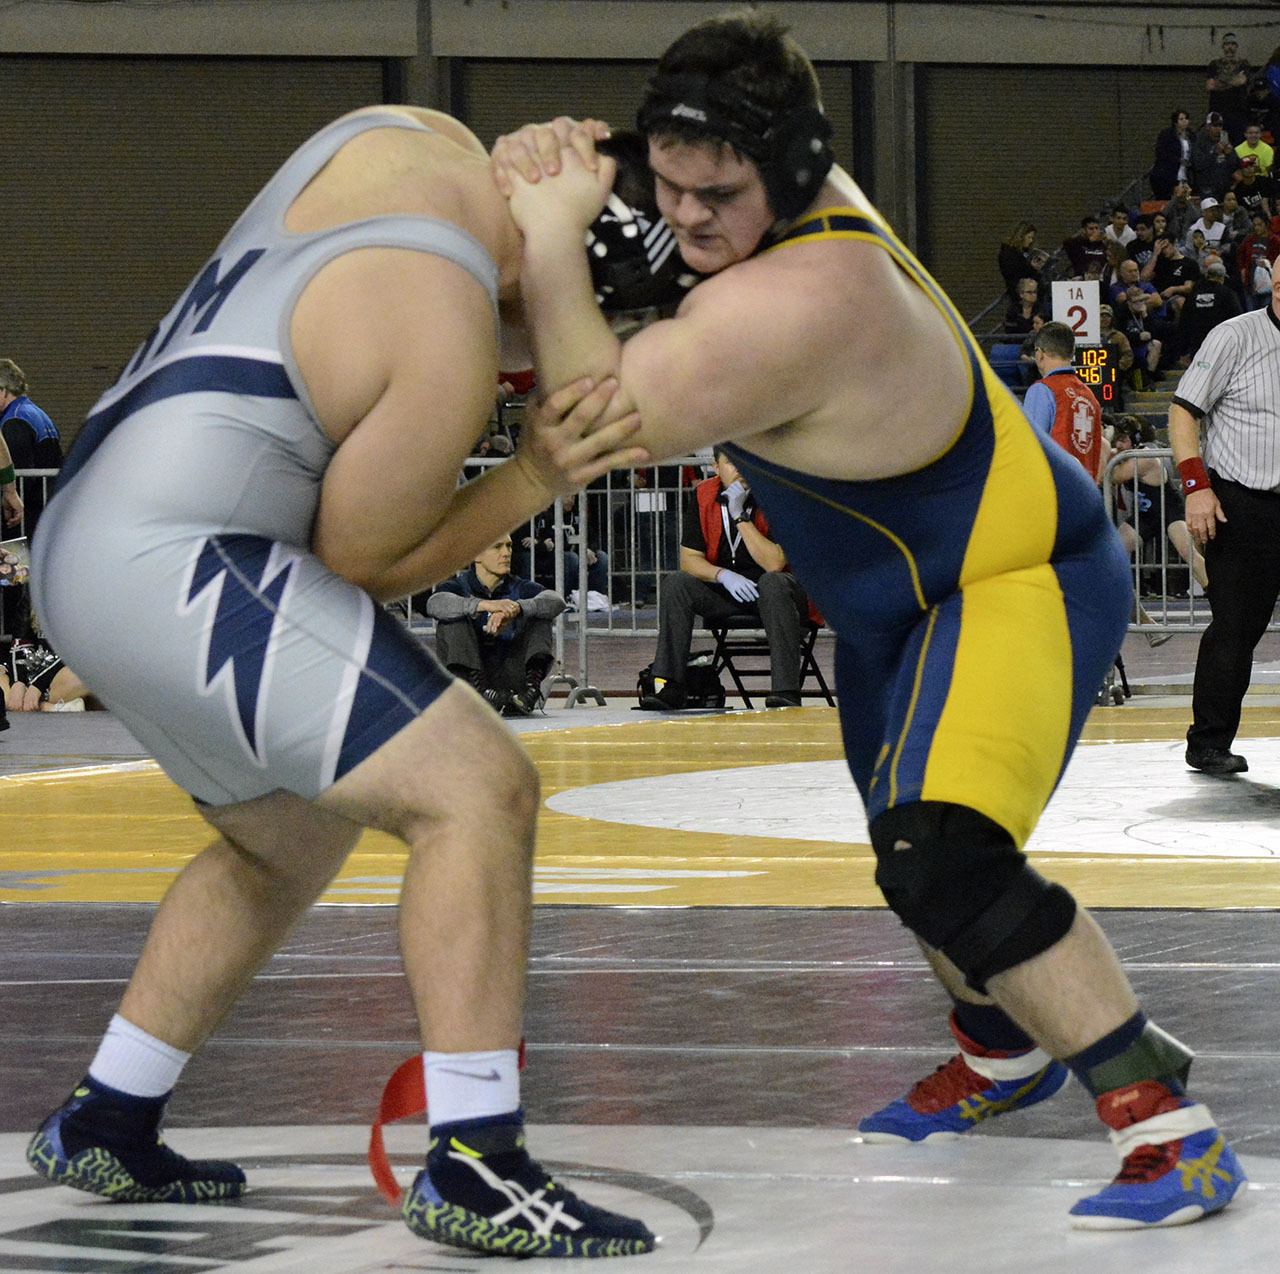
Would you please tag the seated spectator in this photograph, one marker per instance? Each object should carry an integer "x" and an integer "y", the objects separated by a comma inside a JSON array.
[
  {"x": 1121, "y": 352},
  {"x": 1149, "y": 518},
  {"x": 1213, "y": 159},
  {"x": 493, "y": 631},
  {"x": 1234, "y": 218},
  {"x": 1021, "y": 311},
  {"x": 1211, "y": 302},
  {"x": 1209, "y": 223},
  {"x": 540, "y": 544},
  {"x": 1143, "y": 248},
  {"x": 1173, "y": 155},
  {"x": 1253, "y": 147},
  {"x": 32, "y": 438},
  {"x": 34, "y": 679},
  {"x": 1255, "y": 193},
  {"x": 1254, "y": 260},
  {"x": 1114, "y": 256},
  {"x": 1085, "y": 249},
  {"x": 1178, "y": 214},
  {"x": 1118, "y": 228},
  {"x": 1019, "y": 258},
  {"x": 1027, "y": 354},
  {"x": 728, "y": 568},
  {"x": 1174, "y": 276},
  {"x": 1139, "y": 313}
]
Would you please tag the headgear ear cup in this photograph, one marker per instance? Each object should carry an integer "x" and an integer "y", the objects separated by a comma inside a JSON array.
[{"x": 798, "y": 160}]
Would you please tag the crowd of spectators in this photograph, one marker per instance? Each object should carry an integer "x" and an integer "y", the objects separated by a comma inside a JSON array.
[{"x": 1198, "y": 251}]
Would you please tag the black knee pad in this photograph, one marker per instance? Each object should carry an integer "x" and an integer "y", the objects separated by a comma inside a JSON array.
[{"x": 956, "y": 880}]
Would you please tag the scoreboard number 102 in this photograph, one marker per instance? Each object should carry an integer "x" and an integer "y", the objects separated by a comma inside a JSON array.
[{"x": 1094, "y": 366}]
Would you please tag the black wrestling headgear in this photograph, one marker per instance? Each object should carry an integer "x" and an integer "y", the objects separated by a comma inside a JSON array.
[
  {"x": 632, "y": 252},
  {"x": 791, "y": 146}
]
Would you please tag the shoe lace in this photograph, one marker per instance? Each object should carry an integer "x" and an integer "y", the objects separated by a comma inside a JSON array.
[
  {"x": 952, "y": 1082},
  {"x": 1147, "y": 1163}
]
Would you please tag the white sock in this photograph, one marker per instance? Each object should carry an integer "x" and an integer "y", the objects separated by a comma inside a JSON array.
[
  {"x": 471, "y": 1085},
  {"x": 131, "y": 1061}
]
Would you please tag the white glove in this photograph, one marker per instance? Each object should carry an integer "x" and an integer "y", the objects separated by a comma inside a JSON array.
[
  {"x": 736, "y": 498},
  {"x": 739, "y": 587}
]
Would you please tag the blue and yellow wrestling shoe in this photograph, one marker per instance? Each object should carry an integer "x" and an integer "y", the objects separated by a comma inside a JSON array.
[
  {"x": 975, "y": 1085},
  {"x": 108, "y": 1143},
  {"x": 1176, "y": 1167},
  {"x": 481, "y": 1190}
]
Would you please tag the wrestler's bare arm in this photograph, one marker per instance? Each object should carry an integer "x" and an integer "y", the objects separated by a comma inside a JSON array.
[{"x": 397, "y": 350}]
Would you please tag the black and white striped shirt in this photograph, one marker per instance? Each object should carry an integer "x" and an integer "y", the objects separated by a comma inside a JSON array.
[{"x": 1234, "y": 384}]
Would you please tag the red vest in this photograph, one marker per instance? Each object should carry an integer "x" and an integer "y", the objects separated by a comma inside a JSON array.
[
  {"x": 1077, "y": 419},
  {"x": 708, "y": 495},
  {"x": 709, "y": 506}
]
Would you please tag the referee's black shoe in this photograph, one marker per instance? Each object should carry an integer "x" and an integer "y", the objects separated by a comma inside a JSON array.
[{"x": 1216, "y": 761}]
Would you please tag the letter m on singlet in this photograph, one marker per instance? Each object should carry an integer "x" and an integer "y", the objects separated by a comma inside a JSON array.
[{"x": 204, "y": 298}]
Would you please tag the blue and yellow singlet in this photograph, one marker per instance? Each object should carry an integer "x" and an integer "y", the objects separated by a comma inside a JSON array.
[{"x": 978, "y": 601}]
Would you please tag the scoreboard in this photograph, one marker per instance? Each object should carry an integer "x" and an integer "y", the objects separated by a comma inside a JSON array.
[{"x": 1095, "y": 365}]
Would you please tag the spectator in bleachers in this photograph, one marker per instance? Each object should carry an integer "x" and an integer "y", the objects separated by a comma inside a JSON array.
[
  {"x": 1137, "y": 314},
  {"x": 1118, "y": 228},
  {"x": 1234, "y": 218},
  {"x": 1027, "y": 355},
  {"x": 1210, "y": 302},
  {"x": 1253, "y": 147},
  {"x": 1254, "y": 261},
  {"x": 1114, "y": 256},
  {"x": 1143, "y": 248},
  {"x": 1019, "y": 258},
  {"x": 1178, "y": 213},
  {"x": 729, "y": 567},
  {"x": 1228, "y": 86},
  {"x": 1021, "y": 311},
  {"x": 1213, "y": 159},
  {"x": 1152, "y": 515},
  {"x": 1253, "y": 192},
  {"x": 493, "y": 631},
  {"x": 31, "y": 438},
  {"x": 1173, "y": 155},
  {"x": 1264, "y": 105},
  {"x": 1174, "y": 275},
  {"x": 1258, "y": 102},
  {"x": 1117, "y": 344},
  {"x": 1086, "y": 249},
  {"x": 1209, "y": 223}
]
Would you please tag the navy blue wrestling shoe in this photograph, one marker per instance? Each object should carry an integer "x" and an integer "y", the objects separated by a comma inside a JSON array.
[
  {"x": 481, "y": 1190},
  {"x": 108, "y": 1143}
]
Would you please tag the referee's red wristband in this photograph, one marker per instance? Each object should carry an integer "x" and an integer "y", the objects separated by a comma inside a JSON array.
[{"x": 1195, "y": 477}]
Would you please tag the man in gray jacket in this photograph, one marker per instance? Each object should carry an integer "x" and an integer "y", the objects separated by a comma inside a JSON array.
[{"x": 493, "y": 630}]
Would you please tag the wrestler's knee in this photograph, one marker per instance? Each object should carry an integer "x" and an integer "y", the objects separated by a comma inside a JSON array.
[{"x": 957, "y": 880}]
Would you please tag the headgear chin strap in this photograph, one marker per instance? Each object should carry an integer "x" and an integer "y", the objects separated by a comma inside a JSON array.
[
  {"x": 791, "y": 147},
  {"x": 633, "y": 258}
]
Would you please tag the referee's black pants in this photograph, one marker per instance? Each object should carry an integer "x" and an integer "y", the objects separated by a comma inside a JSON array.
[{"x": 1243, "y": 563}]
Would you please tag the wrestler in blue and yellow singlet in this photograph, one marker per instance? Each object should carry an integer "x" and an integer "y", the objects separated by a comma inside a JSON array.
[{"x": 978, "y": 601}]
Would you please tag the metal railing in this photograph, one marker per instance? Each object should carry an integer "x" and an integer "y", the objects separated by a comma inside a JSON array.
[{"x": 1168, "y": 597}]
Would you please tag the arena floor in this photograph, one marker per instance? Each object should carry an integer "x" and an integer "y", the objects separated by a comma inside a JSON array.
[{"x": 715, "y": 999}]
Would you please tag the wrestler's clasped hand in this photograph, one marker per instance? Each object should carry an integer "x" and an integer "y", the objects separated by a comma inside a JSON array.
[
  {"x": 570, "y": 440},
  {"x": 535, "y": 149}
]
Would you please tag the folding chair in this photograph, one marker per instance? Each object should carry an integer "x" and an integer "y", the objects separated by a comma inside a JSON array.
[{"x": 742, "y": 637}]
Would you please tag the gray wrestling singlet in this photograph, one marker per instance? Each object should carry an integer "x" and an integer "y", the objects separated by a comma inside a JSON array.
[{"x": 172, "y": 570}]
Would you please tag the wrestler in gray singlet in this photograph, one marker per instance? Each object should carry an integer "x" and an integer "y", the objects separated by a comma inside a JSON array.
[{"x": 172, "y": 568}]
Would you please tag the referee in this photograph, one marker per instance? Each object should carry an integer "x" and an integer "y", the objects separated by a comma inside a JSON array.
[{"x": 1232, "y": 493}]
